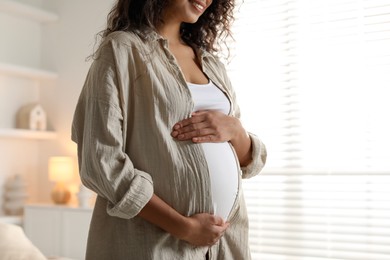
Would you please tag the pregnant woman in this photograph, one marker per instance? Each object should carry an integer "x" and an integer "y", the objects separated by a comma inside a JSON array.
[{"x": 159, "y": 138}]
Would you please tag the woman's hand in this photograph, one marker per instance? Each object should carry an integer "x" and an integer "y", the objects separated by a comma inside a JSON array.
[
  {"x": 207, "y": 126},
  {"x": 201, "y": 229},
  {"x": 204, "y": 229},
  {"x": 211, "y": 126}
]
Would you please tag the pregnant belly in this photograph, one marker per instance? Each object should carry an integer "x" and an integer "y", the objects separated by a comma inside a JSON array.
[{"x": 224, "y": 176}]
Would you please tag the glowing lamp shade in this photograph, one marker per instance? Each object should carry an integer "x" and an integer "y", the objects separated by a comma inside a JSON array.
[{"x": 60, "y": 171}]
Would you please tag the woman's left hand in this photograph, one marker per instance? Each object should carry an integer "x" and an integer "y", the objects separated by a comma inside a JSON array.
[{"x": 209, "y": 126}]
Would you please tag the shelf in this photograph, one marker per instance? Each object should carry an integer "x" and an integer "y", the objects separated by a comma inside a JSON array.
[
  {"x": 16, "y": 220},
  {"x": 27, "y": 72},
  {"x": 28, "y": 11},
  {"x": 27, "y": 134},
  {"x": 68, "y": 207}
]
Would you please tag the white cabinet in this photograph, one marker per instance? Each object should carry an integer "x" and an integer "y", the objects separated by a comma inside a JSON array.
[{"x": 58, "y": 230}]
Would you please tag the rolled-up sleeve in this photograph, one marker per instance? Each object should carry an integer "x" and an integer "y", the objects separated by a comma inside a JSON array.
[
  {"x": 259, "y": 157},
  {"x": 97, "y": 128}
]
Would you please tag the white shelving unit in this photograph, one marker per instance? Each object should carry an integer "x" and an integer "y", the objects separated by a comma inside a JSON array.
[
  {"x": 27, "y": 134},
  {"x": 27, "y": 11},
  {"x": 35, "y": 14},
  {"x": 26, "y": 72},
  {"x": 34, "y": 74},
  {"x": 31, "y": 73}
]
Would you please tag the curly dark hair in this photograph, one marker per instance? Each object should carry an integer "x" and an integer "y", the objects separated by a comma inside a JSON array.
[{"x": 209, "y": 32}]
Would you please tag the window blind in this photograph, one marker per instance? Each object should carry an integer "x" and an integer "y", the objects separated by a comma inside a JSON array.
[
  {"x": 312, "y": 80},
  {"x": 319, "y": 216}
]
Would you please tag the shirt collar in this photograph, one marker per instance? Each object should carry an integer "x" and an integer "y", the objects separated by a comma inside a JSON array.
[{"x": 148, "y": 34}]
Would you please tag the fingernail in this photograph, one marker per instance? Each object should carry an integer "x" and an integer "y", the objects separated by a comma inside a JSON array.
[{"x": 176, "y": 127}]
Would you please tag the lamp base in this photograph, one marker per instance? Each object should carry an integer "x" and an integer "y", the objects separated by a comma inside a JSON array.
[{"x": 60, "y": 194}]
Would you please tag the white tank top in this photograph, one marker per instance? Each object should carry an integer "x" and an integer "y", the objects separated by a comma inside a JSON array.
[{"x": 222, "y": 162}]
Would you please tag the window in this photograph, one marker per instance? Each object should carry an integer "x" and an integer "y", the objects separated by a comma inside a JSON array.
[{"x": 312, "y": 78}]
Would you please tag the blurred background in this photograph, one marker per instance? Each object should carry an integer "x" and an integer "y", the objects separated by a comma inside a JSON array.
[{"x": 312, "y": 79}]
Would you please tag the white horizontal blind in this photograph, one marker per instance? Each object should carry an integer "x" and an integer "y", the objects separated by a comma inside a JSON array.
[
  {"x": 304, "y": 216},
  {"x": 343, "y": 51},
  {"x": 312, "y": 78}
]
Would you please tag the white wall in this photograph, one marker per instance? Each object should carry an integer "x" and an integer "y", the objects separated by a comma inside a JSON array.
[{"x": 62, "y": 47}]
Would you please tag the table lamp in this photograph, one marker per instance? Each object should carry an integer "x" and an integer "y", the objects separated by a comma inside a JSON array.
[{"x": 60, "y": 171}]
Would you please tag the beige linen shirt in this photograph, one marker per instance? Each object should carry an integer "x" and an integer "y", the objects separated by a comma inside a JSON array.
[{"x": 133, "y": 95}]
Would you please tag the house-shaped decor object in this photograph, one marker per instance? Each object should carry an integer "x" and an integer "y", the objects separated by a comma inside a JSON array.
[{"x": 32, "y": 116}]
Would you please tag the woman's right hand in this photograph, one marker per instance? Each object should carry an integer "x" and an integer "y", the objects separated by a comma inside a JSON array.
[
  {"x": 204, "y": 229},
  {"x": 201, "y": 229}
]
